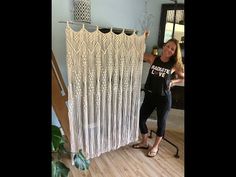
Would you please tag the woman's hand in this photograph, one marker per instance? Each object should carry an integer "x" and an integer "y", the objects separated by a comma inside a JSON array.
[
  {"x": 146, "y": 33},
  {"x": 171, "y": 84}
]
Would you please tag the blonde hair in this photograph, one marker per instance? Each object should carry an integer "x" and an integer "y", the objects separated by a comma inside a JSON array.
[{"x": 178, "y": 62}]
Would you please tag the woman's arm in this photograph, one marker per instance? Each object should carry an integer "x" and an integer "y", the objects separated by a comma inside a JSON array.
[
  {"x": 179, "y": 79},
  {"x": 149, "y": 58}
]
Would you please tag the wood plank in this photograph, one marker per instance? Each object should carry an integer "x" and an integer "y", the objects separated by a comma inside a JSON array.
[
  {"x": 129, "y": 162},
  {"x": 58, "y": 99}
]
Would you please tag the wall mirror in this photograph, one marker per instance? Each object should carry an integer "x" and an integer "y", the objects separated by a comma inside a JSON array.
[{"x": 171, "y": 23}]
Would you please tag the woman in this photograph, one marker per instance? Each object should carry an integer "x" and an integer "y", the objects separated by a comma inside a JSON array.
[{"x": 157, "y": 91}]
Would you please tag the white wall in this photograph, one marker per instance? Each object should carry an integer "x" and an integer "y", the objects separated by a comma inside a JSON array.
[
  {"x": 60, "y": 11},
  {"x": 54, "y": 120}
]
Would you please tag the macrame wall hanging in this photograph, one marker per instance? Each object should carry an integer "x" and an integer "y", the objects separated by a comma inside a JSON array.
[{"x": 104, "y": 82}]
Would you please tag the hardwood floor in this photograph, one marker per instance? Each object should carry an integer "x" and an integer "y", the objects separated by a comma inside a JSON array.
[{"x": 129, "y": 162}]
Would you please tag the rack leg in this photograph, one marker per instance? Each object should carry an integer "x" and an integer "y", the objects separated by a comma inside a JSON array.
[{"x": 168, "y": 141}]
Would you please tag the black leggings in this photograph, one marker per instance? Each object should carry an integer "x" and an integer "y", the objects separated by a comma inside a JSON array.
[{"x": 162, "y": 104}]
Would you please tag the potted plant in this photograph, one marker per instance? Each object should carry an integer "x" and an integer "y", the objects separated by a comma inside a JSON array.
[{"x": 59, "y": 169}]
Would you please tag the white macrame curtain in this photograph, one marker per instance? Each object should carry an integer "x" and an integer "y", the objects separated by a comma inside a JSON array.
[{"x": 104, "y": 82}]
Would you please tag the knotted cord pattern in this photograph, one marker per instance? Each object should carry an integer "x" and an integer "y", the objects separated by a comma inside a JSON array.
[{"x": 104, "y": 82}]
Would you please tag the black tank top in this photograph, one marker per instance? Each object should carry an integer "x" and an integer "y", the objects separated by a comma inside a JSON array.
[{"x": 159, "y": 77}]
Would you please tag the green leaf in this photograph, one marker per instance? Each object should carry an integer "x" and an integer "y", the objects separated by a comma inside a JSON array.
[
  {"x": 59, "y": 169},
  {"x": 56, "y": 138},
  {"x": 80, "y": 161},
  {"x": 54, "y": 169}
]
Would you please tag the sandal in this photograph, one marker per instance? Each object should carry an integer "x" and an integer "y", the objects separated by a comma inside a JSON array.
[
  {"x": 152, "y": 153},
  {"x": 140, "y": 146}
]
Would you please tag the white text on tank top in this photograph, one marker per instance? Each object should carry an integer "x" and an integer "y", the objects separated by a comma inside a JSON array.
[{"x": 159, "y": 71}]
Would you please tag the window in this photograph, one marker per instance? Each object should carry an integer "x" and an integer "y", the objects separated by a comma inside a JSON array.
[{"x": 171, "y": 23}]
